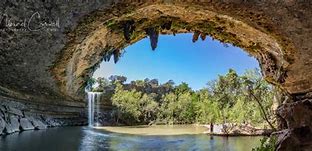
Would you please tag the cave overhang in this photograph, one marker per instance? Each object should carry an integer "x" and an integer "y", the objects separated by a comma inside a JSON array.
[{"x": 109, "y": 31}]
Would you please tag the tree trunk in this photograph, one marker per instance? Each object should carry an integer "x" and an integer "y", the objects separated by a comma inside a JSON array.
[{"x": 265, "y": 117}]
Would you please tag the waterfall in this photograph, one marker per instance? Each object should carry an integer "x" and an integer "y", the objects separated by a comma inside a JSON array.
[
  {"x": 93, "y": 102},
  {"x": 98, "y": 99}
]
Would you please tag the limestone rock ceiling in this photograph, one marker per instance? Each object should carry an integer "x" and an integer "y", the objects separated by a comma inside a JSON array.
[{"x": 56, "y": 64}]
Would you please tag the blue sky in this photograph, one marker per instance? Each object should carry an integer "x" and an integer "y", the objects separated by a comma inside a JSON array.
[{"x": 179, "y": 59}]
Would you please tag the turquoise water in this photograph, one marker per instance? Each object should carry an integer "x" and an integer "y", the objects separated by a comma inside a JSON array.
[{"x": 88, "y": 139}]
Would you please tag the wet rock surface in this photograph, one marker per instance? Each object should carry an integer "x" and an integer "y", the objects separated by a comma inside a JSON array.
[
  {"x": 2, "y": 125},
  {"x": 38, "y": 125},
  {"x": 17, "y": 116},
  {"x": 26, "y": 124},
  {"x": 105, "y": 118},
  {"x": 297, "y": 118},
  {"x": 13, "y": 125}
]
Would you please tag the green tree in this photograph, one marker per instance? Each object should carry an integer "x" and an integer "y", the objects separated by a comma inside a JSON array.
[
  {"x": 128, "y": 105},
  {"x": 231, "y": 98},
  {"x": 101, "y": 84},
  {"x": 182, "y": 88},
  {"x": 259, "y": 91},
  {"x": 207, "y": 109},
  {"x": 149, "y": 107},
  {"x": 225, "y": 90},
  {"x": 184, "y": 108},
  {"x": 168, "y": 108}
]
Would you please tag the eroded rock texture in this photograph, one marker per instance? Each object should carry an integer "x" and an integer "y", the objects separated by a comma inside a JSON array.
[
  {"x": 49, "y": 49},
  {"x": 297, "y": 118}
]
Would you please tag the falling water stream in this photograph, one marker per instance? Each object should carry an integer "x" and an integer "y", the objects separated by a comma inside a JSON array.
[{"x": 93, "y": 107}]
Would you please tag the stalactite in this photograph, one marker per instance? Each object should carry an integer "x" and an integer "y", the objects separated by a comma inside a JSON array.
[
  {"x": 203, "y": 36},
  {"x": 153, "y": 35},
  {"x": 174, "y": 32},
  {"x": 188, "y": 28},
  {"x": 128, "y": 28},
  {"x": 166, "y": 25},
  {"x": 195, "y": 36},
  {"x": 116, "y": 55},
  {"x": 107, "y": 55}
]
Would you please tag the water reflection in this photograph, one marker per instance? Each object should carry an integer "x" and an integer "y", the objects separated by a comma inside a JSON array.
[
  {"x": 86, "y": 139},
  {"x": 55, "y": 139}
]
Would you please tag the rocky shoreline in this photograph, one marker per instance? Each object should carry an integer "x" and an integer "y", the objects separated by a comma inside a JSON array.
[
  {"x": 17, "y": 116},
  {"x": 13, "y": 120},
  {"x": 234, "y": 129}
]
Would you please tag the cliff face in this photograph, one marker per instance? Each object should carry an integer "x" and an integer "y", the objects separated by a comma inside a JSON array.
[{"x": 49, "y": 49}]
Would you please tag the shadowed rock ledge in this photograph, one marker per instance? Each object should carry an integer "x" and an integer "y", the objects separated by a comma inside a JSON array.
[{"x": 17, "y": 115}]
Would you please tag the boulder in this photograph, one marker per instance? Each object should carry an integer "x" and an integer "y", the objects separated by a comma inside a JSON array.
[
  {"x": 2, "y": 111},
  {"x": 15, "y": 111},
  {"x": 26, "y": 124},
  {"x": 12, "y": 125},
  {"x": 2, "y": 125},
  {"x": 38, "y": 124}
]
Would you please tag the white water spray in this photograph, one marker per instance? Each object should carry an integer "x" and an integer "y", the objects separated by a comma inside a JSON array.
[{"x": 93, "y": 101}]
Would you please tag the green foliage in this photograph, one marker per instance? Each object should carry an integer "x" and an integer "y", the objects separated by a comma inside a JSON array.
[
  {"x": 168, "y": 108},
  {"x": 267, "y": 144},
  {"x": 101, "y": 84},
  {"x": 149, "y": 107},
  {"x": 127, "y": 103},
  {"x": 182, "y": 88},
  {"x": 231, "y": 98},
  {"x": 207, "y": 110}
]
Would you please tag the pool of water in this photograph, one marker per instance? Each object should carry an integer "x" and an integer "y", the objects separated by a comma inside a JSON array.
[{"x": 90, "y": 139}]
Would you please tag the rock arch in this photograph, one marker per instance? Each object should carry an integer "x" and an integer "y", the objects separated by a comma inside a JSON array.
[
  {"x": 110, "y": 35},
  {"x": 52, "y": 67}
]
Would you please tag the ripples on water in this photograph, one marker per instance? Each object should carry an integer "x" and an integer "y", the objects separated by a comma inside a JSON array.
[{"x": 87, "y": 139}]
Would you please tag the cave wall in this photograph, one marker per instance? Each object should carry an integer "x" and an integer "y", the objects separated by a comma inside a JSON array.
[
  {"x": 28, "y": 49},
  {"x": 45, "y": 67}
]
